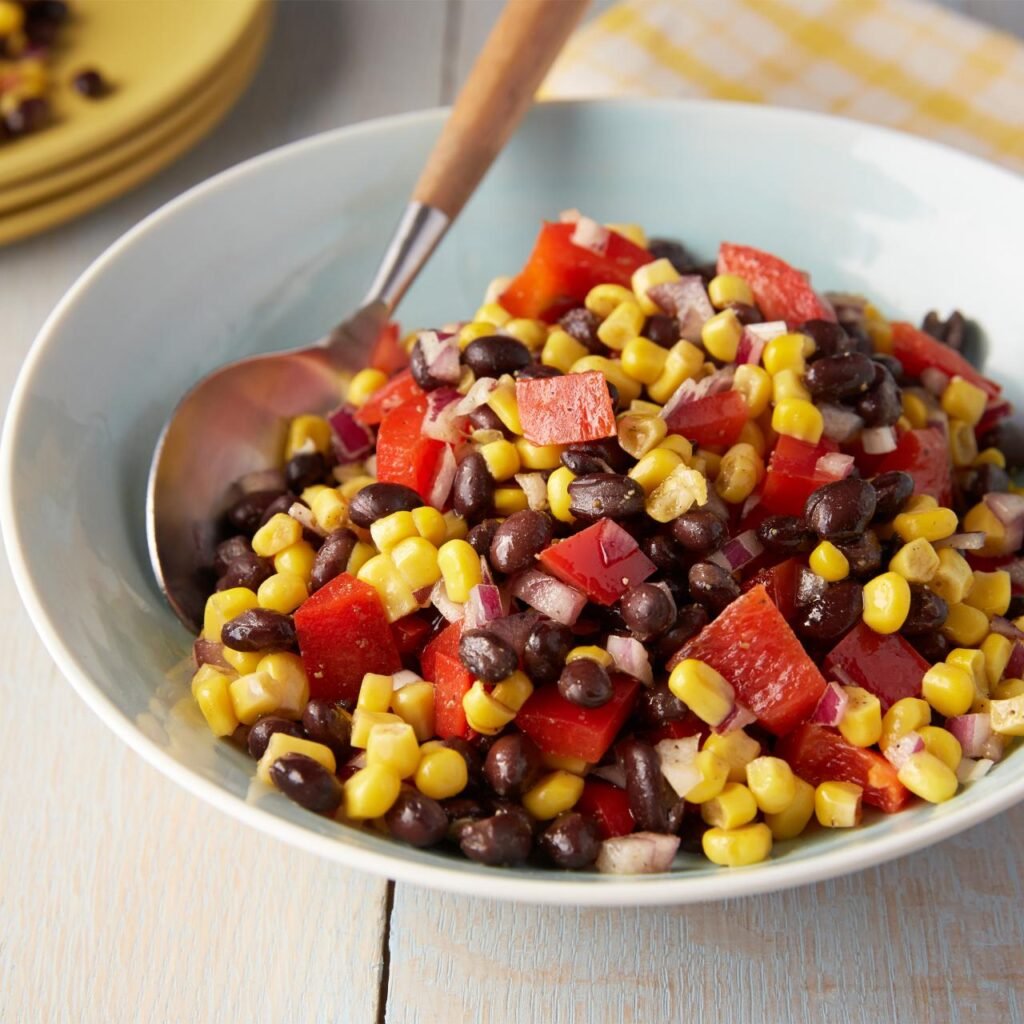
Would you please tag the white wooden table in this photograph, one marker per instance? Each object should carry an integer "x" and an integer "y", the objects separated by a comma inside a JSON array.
[{"x": 124, "y": 899}]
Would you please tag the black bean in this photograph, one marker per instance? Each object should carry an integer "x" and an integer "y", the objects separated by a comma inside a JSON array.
[
  {"x": 375, "y": 501},
  {"x": 864, "y": 554},
  {"x": 675, "y": 252},
  {"x": 327, "y": 722},
  {"x": 838, "y": 377},
  {"x": 307, "y": 782},
  {"x": 657, "y": 705},
  {"x": 585, "y": 683},
  {"x": 892, "y": 492},
  {"x": 664, "y": 552},
  {"x": 643, "y": 785},
  {"x": 582, "y": 325},
  {"x": 538, "y": 371},
  {"x": 712, "y": 587},
  {"x": 500, "y": 839},
  {"x": 305, "y": 469},
  {"x": 951, "y": 331},
  {"x": 841, "y": 510},
  {"x": 788, "y": 534},
  {"x": 647, "y": 610},
  {"x": 581, "y": 464},
  {"x": 699, "y": 532},
  {"x": 512, "y": 764},
  {"x": 613, "y": 393},
  {"x": 605, "y": 495},
  {"x": 1008, "y": 436},
  {"x": 662, "y": 330},
  {"x": 247, "y": 513},
  {"x": 332, "y": 558},
  {"x": 416, "y": 819},
  {"x": 495, "y": 355},
  {"x": 927, "y": 612},
  {"x": 259, "y": 629},
  {"x": 229, "y": 551},
  {"x": 419, "y": 370},
  {"x": 829, "y": 339},
  {"x": 473, "y": 487},
  {"x": 1016, "y": 608},
  {"x": 830, "y": 615},
  {"x": 483, "y": 417},
  {"x": 984, "y": 480},
  {"x": 487, "y": 656},
  {"x": 608, "y": 451},
  {"x": 571, "y": 841},
  {"x": 689, "y": 622},
  {"x": 462, "y": 811},
  {"x": 882, "y": 404},
  {"x": 481, "y": 535},
  {"x": 745, "y": 313},
  {"x": 933, "y": 647},
  {"x": 260, "y": 733},
  {"x": 891, "y": 363},
  {"x": 249, "y": 571},
  {"x": 280, "y": 504},
  {"x": 520, "y": 539},
  {"x": 545, "y": 651}
]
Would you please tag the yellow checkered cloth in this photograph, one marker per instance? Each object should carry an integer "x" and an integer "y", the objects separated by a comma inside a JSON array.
[{"x": 901, "y": 63}]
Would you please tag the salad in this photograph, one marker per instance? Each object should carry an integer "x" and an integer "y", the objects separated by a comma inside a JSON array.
[{"x": 647, "y": 554}]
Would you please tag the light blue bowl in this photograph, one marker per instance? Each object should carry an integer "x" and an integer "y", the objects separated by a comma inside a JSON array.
[{"x": 273, "y": 252}]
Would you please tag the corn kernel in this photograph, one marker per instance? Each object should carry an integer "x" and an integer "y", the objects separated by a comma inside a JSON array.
[
  {"x": 784, "y": 352},
  {"x": 442, "y": 774},
  {"x": 416, "y": 559},
  {"x": 965, "y": 626},
  {"x": 916, "y": 410},
  {"x": 991, "y": 457},
  {"x": 943, "y": 745},
  {"x": 643, "y": 360},
  {"x": 793, "y": 819},
  {"x": 936, "y": 524},
  {"x": 351, "y": 487},
  {"x": 553, "y": 795},
  {"x": 1007, "y": 716},
  {"x": 371, "y": 792},
  {"x": 685, "y": 361},
  {"x": 603, "y": 298},
  {"x": 223, "y": 606},
  {"x": 430, "y": 524},
  {"x": 287, "y": 670},
  {"x": 963, "y": 444},
  {"x": 632, "y": 232},
  {"x": 990, "y": 592},
  {"x": 650, "y": 275},
  {"x": 539, "y": 456},
  {"x": 576, "y": 765},
  {"x": 207, "y": 673},
  {"x": 927, "y": 777},
  {"x": 283, "y": 592},
  {"x": 714, "y": 774},
  {"x": 484, "y": 712},
  {"x": 640, "y": 433},
  {"x": 677, "y": 493},
  {"x": 794, "y": 417},
  {"x": 598, "y": 654},
  {"x": 396, "y": 595},
  {"x": 558, "y": 494},
  {"x": 916, "y": 562},
  {"x": 982, "y": 519},
  {"x": 726, "y": 288},
  {"x": 879, "y": 329},
  {"x": 1006, "y": 689},
  {"x": 363, "y": 722},
  {"x": 213, "y": 696},
  {"x": 962, "y": 400},
  {"x": 281, "y": 744},
  {"x": 886, "y": 602},
  {"x": 277, "y": 533},
  {"x": 12, "y": 19},
  {"x": 838, "y": 804},
  {"x": 243, "y": 662},
  {"x": 611, "y": 369},
  {"x": 502, "y": 459},
  {"x": 787, "y": 384},
  {"x": 392, "y": 529},
  {"x": 513, "y": 691},
  {"x": 736, "y": 749},
  {"x": 755, "y": 385},
  {"x": 503, "y": 403},
  {"x": 330, "y": 509},
  {"x": 394, "y": 746},
  {"x": 460, "y": 569},
  {"x": 739, "y": 473},
  {"x": 455, "y": 526},
  {"x": 678, "y": 445},
  {"x": 414, "y": 703},
  {"x": 622, "y": 325},
  {"x": 996, "y": 650},
  {"x": 654, "y": 468},
  {"x": 772, "y": 783},
  {"x": 532, "y": 333},
  {"x": 297, "y": 559},
  {"x": 973, "y": 663},
  {"x": 364, "y": 384},
  {"x": 309, "y": 493},
  {"x": 492, "y": 312},
  {"x": 829, "y": 562},
  {"x": 507, "y": 500},
  {"x": 361, "y": 554},
  {"x": 562, "y": 350},
  {"x": 712, "y": 462},
  {"x": 905, "y": 716},
  {"x": 861, "y": 723},
  {"x": 721, "y": 335},
  {"x": 738, "y": 847},
  {"x": 920, "y": 503},
  {"x": 468, "y": 333},
  {"x": 306, "y": 432},
  {"x": 733, "y": 807},
  {"x": 953, "y": 578},
  {"x": 375, "y": 692}
]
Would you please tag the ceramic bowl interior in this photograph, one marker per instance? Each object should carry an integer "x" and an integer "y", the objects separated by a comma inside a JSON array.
[{"x": 273, "y": 252}]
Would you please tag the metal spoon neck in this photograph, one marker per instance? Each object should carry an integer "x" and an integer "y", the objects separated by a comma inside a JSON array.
[{"x": 419, "y": 230}]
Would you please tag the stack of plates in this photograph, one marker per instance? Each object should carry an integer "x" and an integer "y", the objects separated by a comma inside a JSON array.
[{"x": 175, "y": 68}]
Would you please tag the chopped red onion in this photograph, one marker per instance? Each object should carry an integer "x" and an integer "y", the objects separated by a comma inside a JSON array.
[
  {"x": 442, "y": 485},
  {"x": 687, "y": 300},
  {"x": 692, "y": 390},
  {"x": 590, "y": 235},
  {"x": 841, "y": 424},
  {"x": 209, "y": 652},
  {"x": 451, "y": 610},
  {"x": 1004, "y": 627},
  {"x": 486, "y": 576},
  {"x": 535, "y": 488},
  {"x": 642, "y": 853},
  {"x": 551, "y": 597},
  {"x": 613, "y": 773},
  {"x": 514, "y": 629},
  {"x": 630, "y": 656},
  {"x": 970, "y": 770},
  {"x": 900, "y": 751},
  {"x": 739, "y": 718},
  {"x": 352, "y": 440},
  {"x": 832, "y": 706},
  {"x": 738, "y": 552},
  {"x": 962, "y": 541},
  {"x": 879, "y": 440},
  {"x": 755, "y": 337},
  {"x": 404, "y": 678},
  {"x": 442, "y": 420},
  {"x": 303, "y": 515},
  {"x": 835, "y": 466},
  {"x": 934, "y": 380},
  {"x": 441, "y": 356},
  {"x": 994, "y": 747},
  {"x": 972, "y": 732},
  {"x": 483, "y": 606},
  {"x": 262, "y": 480},
  {"x": 1009, "y": 510},
  {"x": 678, "y": 761},
  {"x": 1015, "y": 666},
  {"x": 477, "y": 395},
  {"x": 1016, "y": 571},
  {"x": 357, "y": 761}
]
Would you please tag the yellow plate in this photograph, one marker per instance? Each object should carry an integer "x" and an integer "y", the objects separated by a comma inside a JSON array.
[
  {"x": 49, "y": 187},
  {"x": 31, "y": 220},
  {"x": 154, "y": 53}
]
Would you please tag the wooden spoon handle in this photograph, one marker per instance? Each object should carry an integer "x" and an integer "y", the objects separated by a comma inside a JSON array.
[{"x": 518, "y": 52}]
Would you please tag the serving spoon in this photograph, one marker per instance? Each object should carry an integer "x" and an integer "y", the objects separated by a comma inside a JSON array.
[{"x": 233, "y": 422}]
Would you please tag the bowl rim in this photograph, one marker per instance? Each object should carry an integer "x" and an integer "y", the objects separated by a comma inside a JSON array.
[{"x": 580, "y": 890}]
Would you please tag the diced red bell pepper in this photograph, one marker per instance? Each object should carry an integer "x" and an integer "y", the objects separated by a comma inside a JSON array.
[
  {"x": 452, "y": 680},
  {"x": 781, "y": 582},
  {"x": 714, "y": 420},
  {"x": 399, "y": 390},
  {"x": 387, "y": 354},
  {"x": 680, "y": 729},
  {"x": 996, "y": 411},
  {"x": 558, "y": 274},
  {"x": 343, "y": 634},
  {"x": 603, "y": 561},
  {"x": 570, "y": 409},
  {"x": 565, "y": 729},
  {"x": 923, "y": 454},
  {"x": 410, "y": 633},
  {"x": 819, "y": 754},
  {"x": 793, "y": 475},
  {"x": 608, "y": 806},
  {"x": 404, "y": 455},
  {"x": 886, "y": 666},
  {"x": 445, "y": 642},
  {"x": 918, "y": 351},
  {"x": 752, "y": 646},
  {"x": 780, "y": 291}
]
